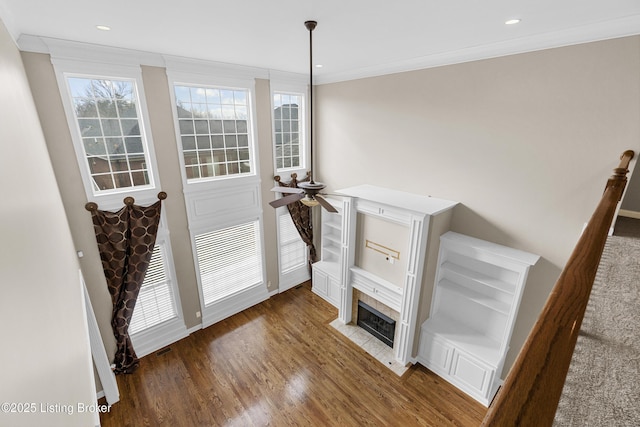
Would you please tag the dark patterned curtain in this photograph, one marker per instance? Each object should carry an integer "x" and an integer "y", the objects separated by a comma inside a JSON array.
[
  {"x": 125, "y": 240},
  {"x": 301, "y": 216}
]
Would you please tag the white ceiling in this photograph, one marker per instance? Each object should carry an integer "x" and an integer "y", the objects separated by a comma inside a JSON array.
[{"x": 354, "y": 38}]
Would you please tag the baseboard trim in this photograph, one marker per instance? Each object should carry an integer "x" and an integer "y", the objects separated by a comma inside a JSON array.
[
  {"x": 629, "y": 214},
  {"x": 194, "y": 329}
]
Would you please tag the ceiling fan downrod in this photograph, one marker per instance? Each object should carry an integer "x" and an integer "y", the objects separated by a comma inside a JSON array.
[{"x": 311, "y": 25}]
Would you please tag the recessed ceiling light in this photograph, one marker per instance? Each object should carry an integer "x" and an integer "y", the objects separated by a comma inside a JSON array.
[
  {"x": 103, "y": 27},
  {"x": 512, "y": 21},
  {"x": 319, "y": 65}
]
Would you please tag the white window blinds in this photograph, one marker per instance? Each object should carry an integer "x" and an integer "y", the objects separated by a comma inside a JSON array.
[
  {"x": 155, "y": 301},
  {"x": 229, "y": 260},
  {"x": 293, "y": 251}
]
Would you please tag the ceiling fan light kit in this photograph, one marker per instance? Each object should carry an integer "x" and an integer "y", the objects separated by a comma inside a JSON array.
[{"x": 307, "y": 192}]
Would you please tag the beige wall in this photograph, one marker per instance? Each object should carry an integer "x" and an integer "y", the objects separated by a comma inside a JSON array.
[
  {"x": 524, "y": 142},
  {"x": 47, "y": 96},
  {"x": 46, "y": 356}
]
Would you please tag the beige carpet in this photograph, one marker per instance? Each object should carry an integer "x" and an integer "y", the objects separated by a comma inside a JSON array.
[{"x": 603, "y": 384}]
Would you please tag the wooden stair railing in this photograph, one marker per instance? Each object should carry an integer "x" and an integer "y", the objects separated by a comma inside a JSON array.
[{"x": 532, "y": 389}]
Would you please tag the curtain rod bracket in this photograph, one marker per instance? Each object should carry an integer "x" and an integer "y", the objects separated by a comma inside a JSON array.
[{"x": 129, "y": 201}]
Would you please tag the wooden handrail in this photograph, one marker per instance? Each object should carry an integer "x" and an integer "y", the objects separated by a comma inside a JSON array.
[{"x": 532, "y": 389}]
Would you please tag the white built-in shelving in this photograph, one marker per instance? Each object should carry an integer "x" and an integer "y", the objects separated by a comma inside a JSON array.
[
  {"x": 477, "y": 294},
  {"x": 327, "y": 272}
]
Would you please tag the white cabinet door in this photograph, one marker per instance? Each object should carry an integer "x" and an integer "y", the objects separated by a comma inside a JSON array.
[
  {"x": 319, "y": 283},
  {"x": 436, "y": 353},
  {"x": 325, "y": 285},
  {"x": 333, "y": 291},
  {"x": 472, "y": 373}
]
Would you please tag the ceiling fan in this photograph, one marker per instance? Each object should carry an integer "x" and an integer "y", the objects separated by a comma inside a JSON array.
[{"x": 307, "y": 192}]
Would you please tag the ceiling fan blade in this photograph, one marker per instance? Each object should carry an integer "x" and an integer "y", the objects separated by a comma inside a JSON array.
[
  {"x": 286, "y": 200},
  {"x": 328, "y": 206},
  {"x": 292, "y": 190}
]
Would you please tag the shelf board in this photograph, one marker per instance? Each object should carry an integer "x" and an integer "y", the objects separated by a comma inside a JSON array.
[
  {"x": 477, "y": 297},
  {"x": 332, "y": 250},
  {"x": 333, "y": 239},
  {"x": 465, "y": 338},
  {"x": 477, "y": 277},
  {"x": 336, "y": 226}
]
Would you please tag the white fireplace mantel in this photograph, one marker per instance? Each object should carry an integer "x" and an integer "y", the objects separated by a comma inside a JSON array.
[{"x": 413, "y": 211}]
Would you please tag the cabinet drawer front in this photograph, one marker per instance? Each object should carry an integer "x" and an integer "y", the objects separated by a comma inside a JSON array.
[
  {"x": 437, "y": 353},
  {"x": 471, "y": 372}
]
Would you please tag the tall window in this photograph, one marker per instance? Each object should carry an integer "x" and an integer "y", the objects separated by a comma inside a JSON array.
[
  {"x": 288, "y": 118},
  {"x": 108, "y": 121},
  {"x": 113, "y": 143},
  {"x": 214, "y": 131}
]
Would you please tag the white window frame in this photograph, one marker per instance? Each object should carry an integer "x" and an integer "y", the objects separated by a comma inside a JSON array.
[
  {"x": 187, "y": 78},
  {"x": 72, "y": 68},
  {"x": 291, "y": 84},
  {"x": 294, "y": 88},
  {"x": 302, "y": 131}
]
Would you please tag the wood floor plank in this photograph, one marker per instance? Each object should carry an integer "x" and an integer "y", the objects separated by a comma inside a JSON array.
[{"x": 280, "y": 363}]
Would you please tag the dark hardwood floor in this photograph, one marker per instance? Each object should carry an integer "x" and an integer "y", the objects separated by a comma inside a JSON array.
[{"x": 280, "y": 363}]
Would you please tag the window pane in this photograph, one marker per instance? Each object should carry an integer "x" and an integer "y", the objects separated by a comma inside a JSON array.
[
  {"x": 243, "y": 141},
  {"x": 202, "y": 127},
  {"x": 184, "y": 110},
  {"x": 187, "y": 127},
  {"x": 216, "y": 126},
  {"x": 287, "y": 125},
  {"x": 130, "y": 127},
  {"x": 115, "y": 145},
  {"x": 134, "y": 145},
  {"x": 103, "y": 182},
  {"x": 223, "y": 125},
  {"x": 126, "y": 109},
  {"x": 217, "y": 141},
  {"x": 140, "y": 178},
  {"x": 85, "y": 107},
  {"x": 107, "y": 108},
  {"x": 203, "y": 142},
  {"x": 122, "y": 180}
]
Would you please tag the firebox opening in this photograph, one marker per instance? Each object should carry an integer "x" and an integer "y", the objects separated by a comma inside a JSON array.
[{"x": 377, "y": 324}]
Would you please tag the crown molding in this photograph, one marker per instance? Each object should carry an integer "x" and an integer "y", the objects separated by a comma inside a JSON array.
[{"x": 73, "y": 50}]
